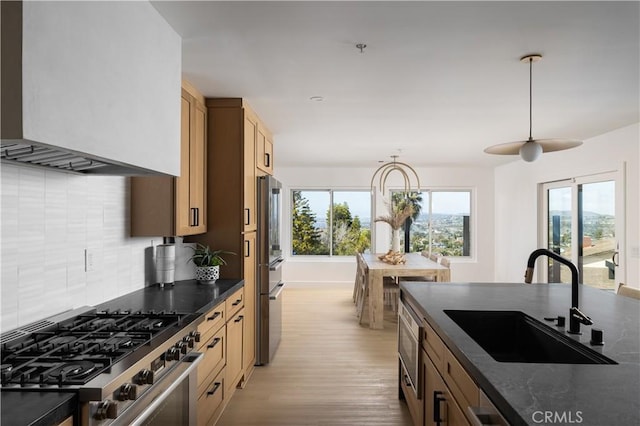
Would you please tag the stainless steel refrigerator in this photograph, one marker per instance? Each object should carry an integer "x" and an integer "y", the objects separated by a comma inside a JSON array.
[{"x": 269, "y": 277}]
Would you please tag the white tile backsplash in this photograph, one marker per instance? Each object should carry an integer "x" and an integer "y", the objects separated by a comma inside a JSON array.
[{"x": 48, "y": 219}]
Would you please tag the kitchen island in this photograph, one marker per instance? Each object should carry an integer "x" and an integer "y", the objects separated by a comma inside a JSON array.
[
  {"x": 34, "y": 407},
  {"x": 535, "y": 393}
]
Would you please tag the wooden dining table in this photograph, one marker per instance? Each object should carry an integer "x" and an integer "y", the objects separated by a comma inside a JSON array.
[{"x": 416, "y": 265}]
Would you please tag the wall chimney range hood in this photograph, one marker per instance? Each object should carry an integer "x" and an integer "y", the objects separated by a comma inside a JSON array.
[{"x": 77, "y": 98}]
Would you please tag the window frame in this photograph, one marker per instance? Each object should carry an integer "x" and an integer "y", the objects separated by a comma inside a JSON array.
[
  {"x": 473, "y": 233},
  {"x": 330, "y": 223}
]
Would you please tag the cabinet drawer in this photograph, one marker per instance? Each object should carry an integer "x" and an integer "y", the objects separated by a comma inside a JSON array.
[
  {"x": 213, "y": 320},
  {"x": 210, "y": 402},
  {"x": 463, "y": 388},
  {"x": 234, "y": 303},
  {"x": 433, "y": 346},
  {"x": 415, "y": 406},
  {"x": 213, "y": 360}
]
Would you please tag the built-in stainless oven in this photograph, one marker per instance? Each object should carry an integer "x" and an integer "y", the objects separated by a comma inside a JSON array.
[
  {"x": 169, "y": 402},
  {"x": 409, "y": 331}
]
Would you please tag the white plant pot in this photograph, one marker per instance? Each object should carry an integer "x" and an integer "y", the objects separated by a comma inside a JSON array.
[{"x": 207, "y": 274}]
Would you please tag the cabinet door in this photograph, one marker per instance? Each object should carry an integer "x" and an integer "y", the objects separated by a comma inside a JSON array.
[
  {"x": 440, "y": 408},
  {"x": 264, "y": 151},
  {"x": 250, "y": 132},
  {"x": 249, "y": 337},
  {"x": 182, "y": 182},
  {"x": 198, "y": 170},
  {"x": 234, "y": 352},
  {"x": 191, "y": 185}
]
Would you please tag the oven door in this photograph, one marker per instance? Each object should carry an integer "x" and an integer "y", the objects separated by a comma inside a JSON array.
[
  {"x": 409, "y": 331},
  {"x": 171, "y": 401}
]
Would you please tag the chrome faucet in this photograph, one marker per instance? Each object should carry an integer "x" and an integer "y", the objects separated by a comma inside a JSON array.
[{"x": 576, "y": 317}]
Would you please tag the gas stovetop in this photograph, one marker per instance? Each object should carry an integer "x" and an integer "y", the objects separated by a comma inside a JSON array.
[{"x": 71, "y": 352}]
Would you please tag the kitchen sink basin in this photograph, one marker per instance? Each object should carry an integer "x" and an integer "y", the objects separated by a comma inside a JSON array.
[{"x": 513, "y": 336}]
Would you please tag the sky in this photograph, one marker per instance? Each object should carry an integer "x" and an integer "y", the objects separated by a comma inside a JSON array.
[
  {"x": 597, "y": 197},
  {"x": 360, "y": 204}
]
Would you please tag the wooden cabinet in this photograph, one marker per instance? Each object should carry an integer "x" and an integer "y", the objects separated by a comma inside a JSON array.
[
  {"x": 264, "y": 150},
  {"x": 249, "y": 332},
  {"x": 234, "y": 371},
  {"x": 448, "y": 390},
  {"x": 168, "y": 206},
  {"x": 213, "y": 344},
  {"x": 239, "y": 148},
  {"x": 222, "y": 341},
  {"x": 250, "y": 183},
  {"x": 440, "y": 408},
  {"x": 232, "y": 129}
]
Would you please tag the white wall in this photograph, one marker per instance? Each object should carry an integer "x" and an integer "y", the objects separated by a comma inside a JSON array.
[
  {"x": 516, "y": 189},
  {"x": 480, "y": 180}
]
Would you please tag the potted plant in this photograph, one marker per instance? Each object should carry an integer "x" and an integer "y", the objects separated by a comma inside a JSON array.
[{"x": 208, "y": 263}]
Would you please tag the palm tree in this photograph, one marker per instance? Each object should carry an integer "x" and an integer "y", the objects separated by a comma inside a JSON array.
[{"x": 402, "y": 200}]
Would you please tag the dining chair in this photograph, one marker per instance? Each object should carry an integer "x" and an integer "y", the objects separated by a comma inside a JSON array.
[{"x": 624, "y": 290}]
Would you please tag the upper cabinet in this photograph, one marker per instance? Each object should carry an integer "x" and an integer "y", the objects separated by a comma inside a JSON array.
[
  {"x": 235, "y": 136},
  {"x": 167, "y": 206},
  {"x": 100, "y": 80},
  {"x": 264, "y": 150}
]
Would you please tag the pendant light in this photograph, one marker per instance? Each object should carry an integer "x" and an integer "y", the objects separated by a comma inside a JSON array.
[{"x": 531, "y": 149}]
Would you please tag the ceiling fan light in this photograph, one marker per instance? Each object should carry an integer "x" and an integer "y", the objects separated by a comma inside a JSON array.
[{"x": 530, "y": 151}]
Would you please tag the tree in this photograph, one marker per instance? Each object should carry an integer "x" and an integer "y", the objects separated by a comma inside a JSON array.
[
  {"x": 401, "y": 200},
  {"x": 306, "y": 238},
  {"x": 347, "y": 233}
]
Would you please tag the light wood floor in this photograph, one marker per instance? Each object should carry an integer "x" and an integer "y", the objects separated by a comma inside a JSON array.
[{"x": 328, "y": 370}]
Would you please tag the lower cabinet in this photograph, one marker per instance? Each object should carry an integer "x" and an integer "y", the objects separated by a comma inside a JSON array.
[
  {"x": 221, "y": 369},
  {"x": 447, "y": 396},
  {"x": 440, "y": 407},
  {"x": 234, "y": 352}
]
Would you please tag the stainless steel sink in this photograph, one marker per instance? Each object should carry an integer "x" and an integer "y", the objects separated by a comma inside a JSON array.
[{"x": 513, "y": 336}]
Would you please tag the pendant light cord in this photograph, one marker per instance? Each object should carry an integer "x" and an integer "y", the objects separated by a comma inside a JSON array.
[{"x": 530, "y": 95}]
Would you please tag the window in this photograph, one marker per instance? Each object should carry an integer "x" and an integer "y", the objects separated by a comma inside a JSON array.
[
  {"x": 441, "y": 222},
  {"x": 318, "y": 229}
]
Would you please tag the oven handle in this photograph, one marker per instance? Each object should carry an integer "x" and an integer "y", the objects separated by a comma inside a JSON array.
[{"x": 173, "y": 379}]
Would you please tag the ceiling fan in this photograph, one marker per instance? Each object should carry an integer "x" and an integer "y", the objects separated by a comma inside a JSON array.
[{"x": 531, "y": 149}]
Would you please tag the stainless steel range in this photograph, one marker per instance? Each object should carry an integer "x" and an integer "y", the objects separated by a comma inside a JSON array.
[{"x": 126, "y": 367}]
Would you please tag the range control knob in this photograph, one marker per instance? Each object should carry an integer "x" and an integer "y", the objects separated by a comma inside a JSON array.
[
  {"x": 145, "y": 377},
  {"x": 127, "y": 391},
  {"x": 182, "y": 347},
  {"x": 106, "y": 410},
  {"x": 172, "y": 354},
  {"x": 195, "y": 335},
  {"x": 189, "y": 340}
]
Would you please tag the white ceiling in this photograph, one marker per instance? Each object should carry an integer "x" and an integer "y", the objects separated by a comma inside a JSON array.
[{"x": 438, "y": 81}]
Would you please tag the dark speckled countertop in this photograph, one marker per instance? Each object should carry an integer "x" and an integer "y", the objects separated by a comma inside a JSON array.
[
  {"x": 183, "y": 297},
  {"x": 597, "y": 395},
  {"x": 37, "y": 408}
]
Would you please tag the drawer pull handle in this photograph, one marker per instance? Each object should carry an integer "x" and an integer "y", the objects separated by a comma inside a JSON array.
[
  {"x": 247, "y": 217},
  {"x": 237, "y": 302},
  {"x": 214, "y": 316},
  {"x": 437, "y": 399},
  {"x": 240, "y": 318},
  {"x": 214, "y": 343},
  {"x": 214, "y": 389}
]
